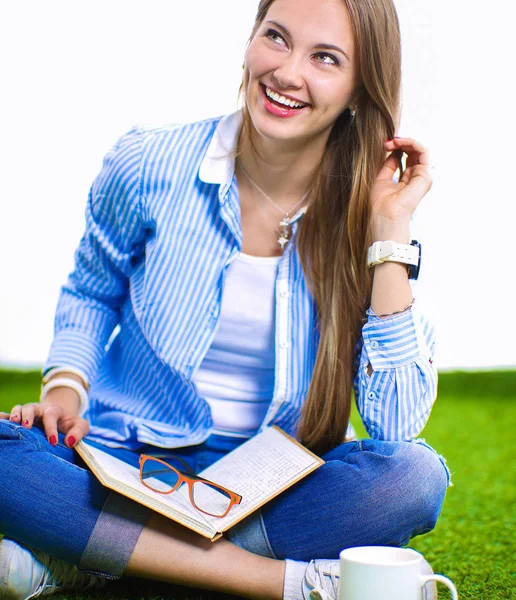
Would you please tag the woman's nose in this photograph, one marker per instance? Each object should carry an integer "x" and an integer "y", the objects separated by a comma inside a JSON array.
[{"x": 288, "y": 74}]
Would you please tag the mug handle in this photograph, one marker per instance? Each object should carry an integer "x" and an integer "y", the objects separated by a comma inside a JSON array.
[{"x": 442, "y": 579}]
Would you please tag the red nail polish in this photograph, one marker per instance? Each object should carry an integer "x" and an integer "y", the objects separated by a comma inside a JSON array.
[
  {"x": 70, "y": 441},
  {"x": 26, "y": 422},
  {"x": 52, "y": 440}
]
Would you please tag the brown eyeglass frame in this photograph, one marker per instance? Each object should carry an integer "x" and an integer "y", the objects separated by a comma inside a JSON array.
[{"x": 190, "y": 480}]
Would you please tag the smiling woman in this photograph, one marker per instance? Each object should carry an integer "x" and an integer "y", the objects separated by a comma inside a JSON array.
[{"x": 234, "y": 274}]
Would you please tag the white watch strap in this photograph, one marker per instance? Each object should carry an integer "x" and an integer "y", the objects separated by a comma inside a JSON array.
[
  {"x": 69, "y": 383},
  {"x": 390, "y": 251}
]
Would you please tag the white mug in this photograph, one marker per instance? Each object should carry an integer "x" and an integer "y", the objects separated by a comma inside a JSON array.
[{"x": 384, "y": 573}]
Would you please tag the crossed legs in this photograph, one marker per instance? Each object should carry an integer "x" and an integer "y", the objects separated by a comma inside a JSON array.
[{"x": 368, "y": 492}]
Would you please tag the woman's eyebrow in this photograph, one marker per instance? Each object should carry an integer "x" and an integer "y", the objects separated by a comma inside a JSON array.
[
  {"x": 320, "y": 46},
  {"x": 332, "y": 47}
]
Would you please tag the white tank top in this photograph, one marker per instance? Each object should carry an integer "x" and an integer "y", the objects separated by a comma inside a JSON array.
[{"x": 236, "y": 377}]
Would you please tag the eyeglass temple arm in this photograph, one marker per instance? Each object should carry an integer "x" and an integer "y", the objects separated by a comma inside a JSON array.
[{"x": 167, "y": 457}]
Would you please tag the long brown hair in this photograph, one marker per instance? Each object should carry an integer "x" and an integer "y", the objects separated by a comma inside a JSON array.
[{"x": 334, "y": 235}]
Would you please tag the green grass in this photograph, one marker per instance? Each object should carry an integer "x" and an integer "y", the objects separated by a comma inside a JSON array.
[{"x": 472, "y": 425}]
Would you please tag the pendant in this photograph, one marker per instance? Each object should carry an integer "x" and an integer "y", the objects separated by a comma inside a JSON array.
[
  {"x": 284, "y": 235},
  {"x": 282, "y": 241}
]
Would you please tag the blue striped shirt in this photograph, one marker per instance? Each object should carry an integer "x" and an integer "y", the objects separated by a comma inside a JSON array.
[{"x": 139, "y": 312}]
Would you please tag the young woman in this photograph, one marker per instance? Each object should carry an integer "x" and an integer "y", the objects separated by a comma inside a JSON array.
[{"x": 224, "y": 284}]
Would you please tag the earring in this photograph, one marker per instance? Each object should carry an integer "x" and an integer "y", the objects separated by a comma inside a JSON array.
[{"x": 352, "y": 110}]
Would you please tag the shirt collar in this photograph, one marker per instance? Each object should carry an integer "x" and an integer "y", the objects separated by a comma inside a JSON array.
[{"x": 218, "y": 165}]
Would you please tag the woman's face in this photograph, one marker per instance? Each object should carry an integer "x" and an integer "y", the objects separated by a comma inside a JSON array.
[{"x": 300, "y": 70}]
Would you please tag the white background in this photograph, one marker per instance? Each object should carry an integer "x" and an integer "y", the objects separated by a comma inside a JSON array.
[{"x": 77, "y": 74}]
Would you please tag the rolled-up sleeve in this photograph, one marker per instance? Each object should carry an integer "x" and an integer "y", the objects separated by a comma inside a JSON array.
[
  {"x": 89, "y": 303},
  {"x": 396, "y": 399}
]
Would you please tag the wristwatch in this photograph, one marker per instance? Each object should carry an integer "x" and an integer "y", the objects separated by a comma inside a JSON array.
[{"x": 389, "y": 251}]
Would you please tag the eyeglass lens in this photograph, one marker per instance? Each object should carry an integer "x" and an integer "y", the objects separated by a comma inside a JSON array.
[{"x": 206, "y": 497}]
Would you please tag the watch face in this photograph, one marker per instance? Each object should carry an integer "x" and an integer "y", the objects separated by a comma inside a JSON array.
[{"x": 413, "y": 270}]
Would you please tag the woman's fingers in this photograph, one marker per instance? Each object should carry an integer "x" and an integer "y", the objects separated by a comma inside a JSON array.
[
  {"x": 50, "y": 414},
  {"x": 417, "y": 154},
  {"x": 56, "y": 419},
  {"x": 20, "y": 413},
  {"x": 391, "y": 165},
  {"x": 16, "y": 413},
  {"x": 75, "y": 429},
  {"x": 417, "y": 173},
  {"x": 53, "y": 418},
  {"x": 29, "y": 414},
  {"x": 406, "y": 142}
]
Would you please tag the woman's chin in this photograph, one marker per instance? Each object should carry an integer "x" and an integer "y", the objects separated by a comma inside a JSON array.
[
  {"x": 272, "y": 128},
  {"x": 288, "y": 134}
]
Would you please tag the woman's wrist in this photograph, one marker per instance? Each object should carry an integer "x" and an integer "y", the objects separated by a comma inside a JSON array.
[
  {"x": 65, "y": 388},
  {"x": 397, "y": 231},
  {"x": 391, "y": 288},
  {"x": 66, "y": 398}
]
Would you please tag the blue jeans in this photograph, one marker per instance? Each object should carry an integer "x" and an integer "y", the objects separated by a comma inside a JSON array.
[{"x": 368, "y": 493}]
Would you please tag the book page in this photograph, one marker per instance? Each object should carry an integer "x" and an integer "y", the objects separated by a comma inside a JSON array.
[
  {"x": 125, "y": 478},
  {"x": 258, "y": 470}
]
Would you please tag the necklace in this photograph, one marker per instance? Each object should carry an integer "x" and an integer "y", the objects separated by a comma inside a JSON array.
[{"x": 284, "y": 225}]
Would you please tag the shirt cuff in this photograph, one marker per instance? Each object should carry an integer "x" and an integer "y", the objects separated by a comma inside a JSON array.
[
  {"x": 394, "y": 341},
  {"x": 77, "y": 350}
]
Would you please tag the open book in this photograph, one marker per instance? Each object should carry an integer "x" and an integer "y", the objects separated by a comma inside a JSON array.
[{"x": 258, "y": 470}]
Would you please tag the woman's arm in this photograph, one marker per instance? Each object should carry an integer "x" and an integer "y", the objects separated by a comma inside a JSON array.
[
  {"x": 89, "y": 303},
  {"x": 396, "y": 398},
  {"x": 396, "y": 381}
]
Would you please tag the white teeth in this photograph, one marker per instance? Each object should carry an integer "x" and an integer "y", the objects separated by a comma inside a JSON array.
[{"x": 282, "y": 100}]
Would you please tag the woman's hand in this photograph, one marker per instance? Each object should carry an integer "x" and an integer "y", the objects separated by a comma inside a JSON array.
[
  {"x": 393, "y": 204},
  {"x": 52, "y": 415}
]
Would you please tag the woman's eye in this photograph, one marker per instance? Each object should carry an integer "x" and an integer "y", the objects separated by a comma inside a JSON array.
[
  {"x": 275, "y": 36},
  {"x": 326, "y": 59}
]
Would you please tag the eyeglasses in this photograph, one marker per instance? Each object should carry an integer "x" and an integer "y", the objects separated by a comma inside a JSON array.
[{"x": 207, "y": 497}]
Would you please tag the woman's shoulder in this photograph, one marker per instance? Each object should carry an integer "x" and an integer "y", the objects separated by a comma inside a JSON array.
[
  {"x": 163, "y": 135},
  {"x": 147, "y": 146},
  {"x": 148, "y": 155}
]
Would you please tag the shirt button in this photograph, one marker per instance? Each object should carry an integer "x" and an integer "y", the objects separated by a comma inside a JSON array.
[
  {"x": 284, "y": 294},
  {"x": 374, "y": 345},
  {"x": 285, "y": 344},
  {"x": 371, "y": 395}
]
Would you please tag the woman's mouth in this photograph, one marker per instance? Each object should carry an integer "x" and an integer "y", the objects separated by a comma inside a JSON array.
[{"x": 279, "y": 105}]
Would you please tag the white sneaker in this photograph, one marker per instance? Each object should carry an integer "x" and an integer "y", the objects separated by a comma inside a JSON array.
[
  {"x": 27, "y": 574},
  {"x": 321, "y": 581}
]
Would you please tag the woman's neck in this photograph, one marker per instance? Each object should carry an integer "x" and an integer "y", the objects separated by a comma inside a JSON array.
[{"x": 282, "y": 171}]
